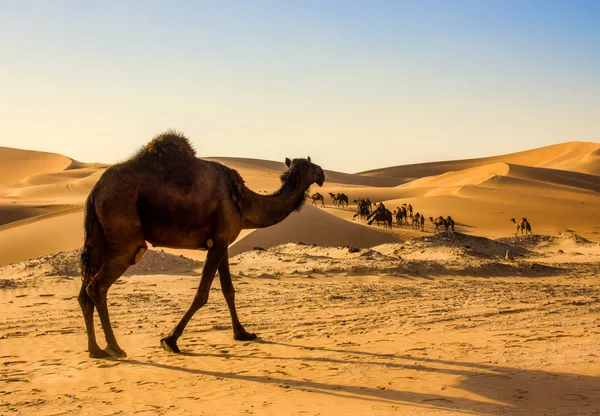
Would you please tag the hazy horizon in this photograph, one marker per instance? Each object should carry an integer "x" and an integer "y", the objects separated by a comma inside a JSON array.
[{"x": 355, "y": 85}]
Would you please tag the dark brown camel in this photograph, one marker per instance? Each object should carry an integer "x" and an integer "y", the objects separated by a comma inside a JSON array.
[
  {"x": 166, "y": 196},
  {"x": 318, "y": 197},
  {"x": 450, "y": 223},
  {"x": 384, "y": 216},
  {"x": 334, "y": 197},
  {"x": 422, "y": 219},
  {"x": 416, "y": 221},
  {"x": 381, "y": 214}
]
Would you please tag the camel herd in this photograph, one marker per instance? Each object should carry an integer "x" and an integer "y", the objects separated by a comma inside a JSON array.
[{"x": 403, "y": 215}]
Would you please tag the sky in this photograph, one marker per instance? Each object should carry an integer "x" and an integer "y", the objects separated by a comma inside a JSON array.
[{"x": 356, "y": 85}]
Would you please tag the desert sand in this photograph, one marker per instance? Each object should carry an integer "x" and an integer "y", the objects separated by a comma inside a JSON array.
[{"x": 351, "y": 318}]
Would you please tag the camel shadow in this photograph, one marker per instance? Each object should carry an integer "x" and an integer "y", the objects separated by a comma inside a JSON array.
[{"x": 491, "y": 389}]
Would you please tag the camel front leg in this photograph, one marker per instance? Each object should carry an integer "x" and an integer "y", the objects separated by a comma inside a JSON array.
[
  {"x": 213, "y": 259},
  {"x": 239, "y": 333}
]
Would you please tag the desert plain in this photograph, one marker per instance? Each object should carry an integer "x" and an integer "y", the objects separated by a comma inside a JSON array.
[{"x": 351, "y": 318}]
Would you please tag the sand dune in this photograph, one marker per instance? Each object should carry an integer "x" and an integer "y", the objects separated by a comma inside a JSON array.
[
  {"x": 18, "y": 164},
  {"x": 481, "y": 197},
  {"x": 40, "y": 236},
  {"x": 582, "y": 157},
  {"x": 490, "y": 174},
  {"x": 251, "y": 169},
  {"x": 313, "y": 226}
]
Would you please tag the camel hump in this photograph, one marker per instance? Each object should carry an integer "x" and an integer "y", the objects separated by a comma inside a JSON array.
[{"x": 171, "y": 142}]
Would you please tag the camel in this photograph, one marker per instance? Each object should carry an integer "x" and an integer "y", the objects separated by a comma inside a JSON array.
[
  {"x": 334, "y": 198},
  {"x": 416, "y": 221},
  {"x": 339, "y": 199},
  {"x": 522, "y": 226},
  {"x": 384, "y": 216},
  {"x": 405, "y": 214},
  {"x": 450, "y": 223},
  {"x": 438, "y": 222},
  {"x": 422, "y": 220},
  {"x": 399, "y": 214},
  {"x": 166, "y": 196},
  {"x": 318, "y": 197},
  {"x": 381, "y": 214},
  {"x": 342, "y": 200},
  {"x": 362, "y": 209}
]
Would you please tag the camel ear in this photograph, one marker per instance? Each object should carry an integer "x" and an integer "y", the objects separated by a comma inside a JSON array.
[
  {"x": 308, "y": 158},
  {"x": 288, "y": 162}
]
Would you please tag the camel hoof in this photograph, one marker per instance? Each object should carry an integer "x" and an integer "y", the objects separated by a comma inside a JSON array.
[
  {"x": 98, "y": 353},
  {"x": 244, "y": 336},
  {"x": 170, "y": 345},
  {"x": 115, "y": 352}
]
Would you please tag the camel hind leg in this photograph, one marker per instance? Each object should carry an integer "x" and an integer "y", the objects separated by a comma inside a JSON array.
[
  {"x": 115, "y": 264},
  {"x": 87, "y": 307}
]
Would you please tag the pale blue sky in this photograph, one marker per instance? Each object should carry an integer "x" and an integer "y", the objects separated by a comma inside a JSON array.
[{"x": 353, "y": 84}]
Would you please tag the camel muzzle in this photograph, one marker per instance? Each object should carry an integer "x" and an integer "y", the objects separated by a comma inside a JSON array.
[{"x": 321, "y": 179}]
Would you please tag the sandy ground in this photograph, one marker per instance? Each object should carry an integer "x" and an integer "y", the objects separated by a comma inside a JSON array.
[
  {"x": 457, "y": 331},
  {"x": 351, "y": 318}
]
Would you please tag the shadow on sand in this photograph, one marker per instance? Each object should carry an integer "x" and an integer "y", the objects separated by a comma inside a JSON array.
[{"x": 494, "y": 389}]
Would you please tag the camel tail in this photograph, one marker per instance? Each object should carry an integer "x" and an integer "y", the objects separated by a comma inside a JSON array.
[{"x": 92, "y": 255}]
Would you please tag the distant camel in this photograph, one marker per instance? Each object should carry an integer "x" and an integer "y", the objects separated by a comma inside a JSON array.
[
  {"x": 342, "y": 200},
  {"x": 522, "y": 226},
  {"x": 450, "y": 223},
  {"x": 318, "y": 197},
  {"x": 404, "y": 214},
  {"x": 334, "y": 198},
  {"x": 416, "y": 221},
  {"x": 422, "y": 222},
  {"x": 384, "y": 216},
  {"x": 362, "y": 209},
  {"x": 400, "y": 215},
  {"x": 381, "y": 214},
  {"x": 339, "y": 200},
  {"x": 168, "y": 197},
  {"x": 439, "y": 222}
]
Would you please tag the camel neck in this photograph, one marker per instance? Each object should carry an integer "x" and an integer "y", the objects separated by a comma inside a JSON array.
[{"x": 265, "y": 210}]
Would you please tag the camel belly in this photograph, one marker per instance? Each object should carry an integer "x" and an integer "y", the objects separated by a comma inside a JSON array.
[{"x": 175, "y": 237}]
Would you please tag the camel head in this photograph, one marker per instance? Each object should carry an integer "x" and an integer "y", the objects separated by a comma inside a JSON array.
[
  {"x": 513, "y": 220},
  {"x": 304, "y": 172},
  {"x": 431, "y": 219}
]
